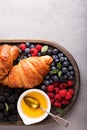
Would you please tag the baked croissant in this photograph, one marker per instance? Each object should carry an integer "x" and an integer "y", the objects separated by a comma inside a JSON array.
[
  {"x": 8, "y": 54},
  {"x": 28, "y": 73}
]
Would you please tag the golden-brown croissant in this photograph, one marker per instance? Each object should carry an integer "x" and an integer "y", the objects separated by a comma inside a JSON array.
[
  {"x": 8, "y": 54},
  {"x": 28, "y": 73}
]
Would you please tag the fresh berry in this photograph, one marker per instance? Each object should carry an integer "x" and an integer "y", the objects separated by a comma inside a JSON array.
[
  {"x": 65, "y": 102},
  {"x": 50, "y": 88},
  {"x": 11, "y": 99},
  {"x": 61, "y": 59},
  {"x": 72, "y": 72},
  {"x": 47, "y": 77},
  {"x": 63, "y": 92},
  {"x": 2, "y": 98},
  {"x": 57, "y": 104},
  {"x": 43, "y": 87},
  {"x": 54, "y": 57},
  {"x": 34, "y": 51},
  {"x": 27, "y": 44},
  {"x": 27, "y": 50},
  {"x": 68, "y": 95},
  {"x": 39, "y": 54},
  {"x": 52, "y": 101},
  {"x": 65, "y": 77},
  {"x": 56, "y": 84},
  {"x": 46, "y": 82},
  {"x": 64, "y": 70},
  {"x": 24, "y": 57},
  {"x": 63, "y": 85},
  {"x": 65, "y": 63},
  {"x": 50, "y": 94},
  {"x": 49, "y": 52},
  {"x": 70, "y": 83},
  {"x": 56, "y": 60},
  {"x": 71, "y": 77},
  {"x": 22, "y": 46},
  {"x": 32, "y": 46},
  {"x": 55, "y": 78},
  {"x": 65, "y": 59},
  {"x": 56, "y": 89},
  {"x": 70, "y": 68},
  {"x": 60, "y": 55},
  {"x": 38, "y": 47},
  {"x": 1, "y": 106},
  {"x": 55, "y": 51},
  {"x": 53, "y": 68},
  {"x": 71, "y": 91},
  {"x": 57, "y": 97}
]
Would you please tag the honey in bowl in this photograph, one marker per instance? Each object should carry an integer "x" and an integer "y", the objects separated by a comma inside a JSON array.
[
  {"x": 34, "y": 113},
  {"x": 30, "y": 115}
]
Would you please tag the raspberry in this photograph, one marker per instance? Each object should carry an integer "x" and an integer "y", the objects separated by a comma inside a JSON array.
[
  {"x": 63, "y": 85},
  {"x": 22, "y": 46},
  {"x": 65, "y": 102},
  {"x": 57, "y": 104},
  {"x": 70, "y": 83},
  {"x": 57, "y": 97},
  {"x": 52, "y": 101},
  {"x": 34, "y": 51},
  {"x": 71, "y": 91},
  {"x": 56, "y": 84},
  {"x": 50, "y": 88},
  {"x": 56, "y": 90},
  {"x": 63, "y": 92},
  {"x": 51, "y": 95},
  {"x": 38, "y": 47},
  {"x": 68, "y": 95}
]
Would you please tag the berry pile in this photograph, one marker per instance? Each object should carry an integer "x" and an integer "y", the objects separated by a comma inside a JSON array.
[
  {"x": 8, "y": 103},
  {"x": 60, "y": 94}
]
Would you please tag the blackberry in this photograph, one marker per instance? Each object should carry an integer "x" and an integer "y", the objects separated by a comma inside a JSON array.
[
  {"x": 1, "y": 106},
  {"x": 11, "y": 99},
  {"x": 2, "y": 98},
  {"x": 1, "y": 116},
  {"x": 12, "y": 118}
]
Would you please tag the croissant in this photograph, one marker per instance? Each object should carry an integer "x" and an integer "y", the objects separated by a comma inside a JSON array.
[
  {"x": 28, "y": 73},
  {"x": 8, "y": 54}
]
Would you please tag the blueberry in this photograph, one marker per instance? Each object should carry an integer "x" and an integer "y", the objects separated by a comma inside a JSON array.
[
  {"x": 12, "y": 118},
  {"x": 54, "y": 57},
  {"x": 47, "y": 77},
  {"x": 1, "y": 106},
  {"x": 65, "y": 59},
  {"x": 70, "y": 68},
  {"x": 11, "y": 99},
  {"x": 56, "y": 60},
  {"x": 46, "y": 82},
  {"x": 72, "y": 72},
  {"x": 49, "y": 52},
  {"x": 51, "y": 81},
  {"x": 71, "y": 77},
  {"x": 51, "y": 74},
  {"x": 53, "y": 68},
  {"x": 55, "y": 78},
  {"x": 27, "y": 50},
  {"x": 65, "y": 63},
  {"x": 68, "y": 74},
  {"x": 55, "y": 51},
  {"x": 27, "y": 44},
  {"x": 32, "y": 46},
  {"x": 61, "y": 59},
  {"x": 60, "y": 55},
  {"x": 43, "y": 87},
  {"x": 39, "y": 54},
  {"x": 1, "y": 116},
  {"x": 65, "y": 77},
  {"x": 53, "y": 64},
  {"x": 64, "y": 70},
  {"x": 2, "y": 98},
  {"x": 29, "y": 55}
]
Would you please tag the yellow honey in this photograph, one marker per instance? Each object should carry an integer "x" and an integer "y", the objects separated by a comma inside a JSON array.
[{"x": 34, "y": 113}]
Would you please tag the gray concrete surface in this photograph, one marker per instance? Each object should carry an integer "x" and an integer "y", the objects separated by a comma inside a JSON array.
[{"x": 64, "y": 21}]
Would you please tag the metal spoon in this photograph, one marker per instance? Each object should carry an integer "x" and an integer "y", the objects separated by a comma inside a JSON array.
[{"x": 35, "y": 104}]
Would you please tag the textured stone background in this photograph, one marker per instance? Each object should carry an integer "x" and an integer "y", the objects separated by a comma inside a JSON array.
[{"x": 64, "y": 21}]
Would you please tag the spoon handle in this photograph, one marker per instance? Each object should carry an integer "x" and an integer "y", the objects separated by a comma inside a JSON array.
[{"x": 57, "y": 118}]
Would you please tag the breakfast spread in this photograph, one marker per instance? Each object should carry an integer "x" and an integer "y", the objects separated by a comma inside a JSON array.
[{"x": 39, "y": 66}]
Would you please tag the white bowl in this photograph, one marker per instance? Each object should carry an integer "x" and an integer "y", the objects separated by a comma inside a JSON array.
[{"x": 26, "y": 119}]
